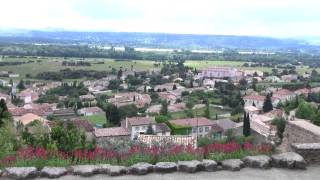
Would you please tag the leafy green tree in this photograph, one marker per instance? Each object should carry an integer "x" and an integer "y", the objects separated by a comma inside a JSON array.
[
  {"x": 164, "y": 108},
  {"x": 8, "y": 138},
  {"x": 114, "y": 84},
  {"x": 305, "y": 111},
  {"x": 67, "y": 138},
  {"x": 119, "y": 75},
  {"x": 281, "y": 125},
  {"x": 207, "y": 111},
  {"x": 161, "y": 119},
  {"x": 254, "y": 84},
  {"x": 128, "y": 111},
  {"x": 246, "y": 125},
  {"x": 114, "y": 115},
  {"x": 267, "y": 105},
  {"x": 20, "y": 85},
  {"x": 4, "y": 113}
]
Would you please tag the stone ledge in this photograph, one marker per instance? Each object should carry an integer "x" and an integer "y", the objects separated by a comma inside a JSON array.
[
  {"x": 309, "y": 151},
  {"x": 306, "y": 146},
  {"x": 288, "y": 160}
]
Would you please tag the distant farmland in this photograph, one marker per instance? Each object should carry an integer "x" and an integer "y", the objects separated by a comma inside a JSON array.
[{"x": 55, "y": 64}]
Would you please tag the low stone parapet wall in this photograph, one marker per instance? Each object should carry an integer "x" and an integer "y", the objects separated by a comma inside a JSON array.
[
  {"x": 309, "y": 151},
  {"x": 289, "y": 160}
]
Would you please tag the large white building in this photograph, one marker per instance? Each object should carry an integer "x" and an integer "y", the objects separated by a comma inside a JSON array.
[
  {"x": 139, "y": 125},
  {"x": 199, "y": 126},
  {"x": 222, "y": 72}
]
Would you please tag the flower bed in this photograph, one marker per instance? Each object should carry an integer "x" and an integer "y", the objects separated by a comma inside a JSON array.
[{"x": 40, "y": 157}]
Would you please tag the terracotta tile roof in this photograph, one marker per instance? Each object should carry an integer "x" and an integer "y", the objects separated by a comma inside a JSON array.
[
  {"x": 136, "y": 121},
  {"x": 302, "y": 91},
  {"x": 38, "y": 109},
  {"x": 28, "y": 118},
  {"x": 274, "y": 113},
  {"x": 162, "y": 127},
  {"x": 251, "y": 108},
  {"x": 193, "y": 122},
  {"x": 283, "y": 92},
  {"x": 226, "y": 124},
  {"x": 111, "y": 132},
  {"x": 257, "y": 97}
]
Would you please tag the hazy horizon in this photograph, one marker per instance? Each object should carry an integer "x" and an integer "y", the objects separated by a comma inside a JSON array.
[{"x": 282, "y": 19}]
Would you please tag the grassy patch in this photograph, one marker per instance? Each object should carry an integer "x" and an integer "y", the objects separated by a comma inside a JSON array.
[
  {"x": 198, "y": 113},
  {"x": 96, "y": 119}
]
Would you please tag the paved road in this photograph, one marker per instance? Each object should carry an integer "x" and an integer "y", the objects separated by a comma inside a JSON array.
[{"x": 312, "y": 173}]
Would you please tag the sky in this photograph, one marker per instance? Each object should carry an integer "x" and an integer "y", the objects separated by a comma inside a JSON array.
[{"x": 276, "y": 18}]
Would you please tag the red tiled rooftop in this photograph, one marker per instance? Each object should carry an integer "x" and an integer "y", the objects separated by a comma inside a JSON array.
[
  {"x": 136, "y": 121},
  {"x": 200, "y": 121},
  {"x": 109, "y": 132}
]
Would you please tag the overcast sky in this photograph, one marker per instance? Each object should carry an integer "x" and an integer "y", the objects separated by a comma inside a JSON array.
[{"x": 278, "y": 18}]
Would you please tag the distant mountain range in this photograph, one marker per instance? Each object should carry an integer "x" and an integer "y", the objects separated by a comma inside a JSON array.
[{"x": 157, "y": 40}]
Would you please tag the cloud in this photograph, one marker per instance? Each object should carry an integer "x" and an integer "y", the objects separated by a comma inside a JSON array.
[{"x": 281, "y": 18}]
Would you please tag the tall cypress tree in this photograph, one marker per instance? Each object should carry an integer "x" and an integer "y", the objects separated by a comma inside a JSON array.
[
  {"x": 114, "y": 116},
  {"x": 267, "y": 105},
  {"x": 246, "y": 125}
]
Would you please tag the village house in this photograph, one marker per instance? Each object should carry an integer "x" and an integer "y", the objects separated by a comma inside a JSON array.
[
  {"x": 138, "y": 125},
  {"x": 88, "y": 97},
  {"x": 3, "y": 82},
  {"x": 162, "y": 129},
  {"x": 209, "y": 83},
  {"x": 289, "y": 77},
  {"x": 253, "y": 73},
  {"x": 169, "y": 97},
  {"x": 258, "y": 100},
  {"x": 168, "y": 87},
  {"x": 108, "y": 134},
  {"x": 252, "y": 110},
  {"x": 200, "y": 126},
  {"x": 171, "y": 108},
  {"x": 284, "y": 95},
  {"x": 64, "y": 113},
  {"x": 273, "y": 79},
  {"x": 226, "y": 125},
  {"x": 5, "y": 97},
  {"x": 29, "y": 118},
  {"x": 42, "y": 110},
  {"x": 222, "y": 72},
  {"x": 123, "y": 99},
  {"x": 28, "y": 96},
  {"x": 315, "y": 90},
  {"x": 90, "y": 111},
  {"x": 303, "y": 91},
  {"x": 261, "y": 124}
]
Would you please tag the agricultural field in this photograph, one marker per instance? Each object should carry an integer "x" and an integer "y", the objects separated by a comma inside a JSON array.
[{"x": 45, "y": 64}]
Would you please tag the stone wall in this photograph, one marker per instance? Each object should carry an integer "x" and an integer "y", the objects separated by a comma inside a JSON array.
[
  {"x": 309, "y": 151},
  {"x": 299, "y": 131}
]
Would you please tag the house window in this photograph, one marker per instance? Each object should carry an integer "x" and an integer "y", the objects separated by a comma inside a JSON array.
[
  {"x": 194, "y": 130},
  {"x": 200, "y": 130},
  {"x": 207, "y": 129}
]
